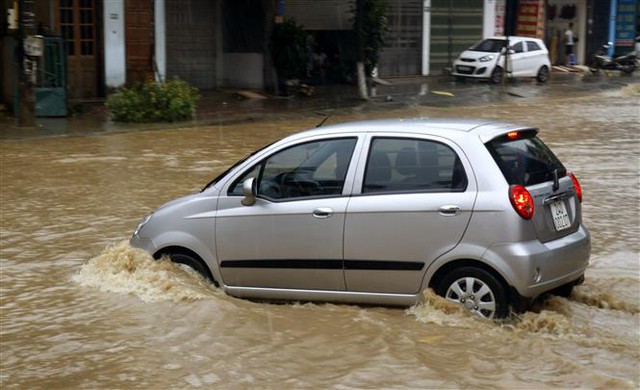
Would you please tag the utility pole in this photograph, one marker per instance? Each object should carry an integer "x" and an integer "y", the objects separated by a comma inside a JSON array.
[{"x": 28, "y": 70}]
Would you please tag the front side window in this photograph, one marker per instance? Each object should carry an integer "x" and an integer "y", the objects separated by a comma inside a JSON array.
[
  {"x": 412, "y": 165},
  {"x": 311, "y": 169},
  {"x": 518, "y": 47}
]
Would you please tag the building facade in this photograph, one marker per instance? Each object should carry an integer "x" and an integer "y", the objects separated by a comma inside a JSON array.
[{"x": 224, "y": 43}]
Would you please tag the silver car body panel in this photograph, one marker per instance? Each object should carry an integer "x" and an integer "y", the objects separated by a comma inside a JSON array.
[
  {"x": 365, "y": 298},
  {"x": 428, "y": 230},
  {"x": 348, "y": 257}
]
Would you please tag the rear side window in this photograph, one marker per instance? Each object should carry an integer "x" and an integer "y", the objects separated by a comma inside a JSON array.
[
  {"x": 532, "y": 46},
  {"x": 524, "y": 159},
  {"x": 412, "y": 165}
]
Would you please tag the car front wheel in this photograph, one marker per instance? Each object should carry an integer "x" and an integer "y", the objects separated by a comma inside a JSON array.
[
  {"x": 191, "y": 262},
  {"x": 496, "y": 75},
  {"x": 476, "y": 290}
]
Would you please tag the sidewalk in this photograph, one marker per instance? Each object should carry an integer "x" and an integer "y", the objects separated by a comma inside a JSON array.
[{"x": 228, "y": 106}]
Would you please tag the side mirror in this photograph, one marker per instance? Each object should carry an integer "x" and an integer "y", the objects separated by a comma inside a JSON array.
[{"x": 249, "y": 191}]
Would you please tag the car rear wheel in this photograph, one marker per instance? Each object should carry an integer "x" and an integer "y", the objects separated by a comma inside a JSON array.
[
  {"x": 496, "y": 75},
  {"x": 543, "y": 74},
  {"x": 476, "y": 290}
]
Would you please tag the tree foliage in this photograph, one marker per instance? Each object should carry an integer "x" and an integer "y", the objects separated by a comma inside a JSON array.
[
  {"x": 289, "y": 49},
  {"x": 371, "y": 27}
]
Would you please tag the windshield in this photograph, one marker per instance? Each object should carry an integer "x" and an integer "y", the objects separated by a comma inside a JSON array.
[
  {"x": 525, "y": 160},
  {"x": 226, "y": 171},
  {"x": 488, "y": 45}
]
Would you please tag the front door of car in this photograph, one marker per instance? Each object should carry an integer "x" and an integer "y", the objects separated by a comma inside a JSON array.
[
  {"x": 518, "y": 60},
  {"x": 291, "y": 237},
  {"x": 414, "y": 205}
]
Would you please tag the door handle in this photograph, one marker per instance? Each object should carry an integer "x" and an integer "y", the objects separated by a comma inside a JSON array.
[
  {"x": 449, "y": 210},
  {"x": 322, "y": 212}
]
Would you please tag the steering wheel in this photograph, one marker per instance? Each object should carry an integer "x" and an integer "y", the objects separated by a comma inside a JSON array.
[
  {"x": 295, "y": 184},
  {"x": 271, "y": 189}
]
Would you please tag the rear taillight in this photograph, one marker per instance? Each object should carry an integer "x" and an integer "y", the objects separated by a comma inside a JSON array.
[
  {"x": 522, "y": 201},
  {"x": 576, "y": 184}
]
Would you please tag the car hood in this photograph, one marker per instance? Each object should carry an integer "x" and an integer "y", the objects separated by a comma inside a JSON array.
[
  {"x": 209, "y": 192},
  {"x": 476, "y": 54}
]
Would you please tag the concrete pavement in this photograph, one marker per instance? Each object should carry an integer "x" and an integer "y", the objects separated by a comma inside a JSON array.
[{"x": 228, "y": 106}]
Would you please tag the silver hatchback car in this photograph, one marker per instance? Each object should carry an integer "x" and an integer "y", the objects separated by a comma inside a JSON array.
[{"x": 375, "y": 212}]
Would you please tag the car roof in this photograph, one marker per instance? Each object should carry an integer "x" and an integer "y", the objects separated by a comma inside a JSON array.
[
  {"x": 485, "y": 129},
  {"x": 515, "y": 38}
]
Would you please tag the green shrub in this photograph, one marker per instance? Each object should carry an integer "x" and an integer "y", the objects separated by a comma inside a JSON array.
[
  {"x": 171, "y": 101},
  {"x": 289, "y": 49}
]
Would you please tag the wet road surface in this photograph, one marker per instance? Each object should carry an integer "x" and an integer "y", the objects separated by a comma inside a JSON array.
[{"x": 81, "y": 309}]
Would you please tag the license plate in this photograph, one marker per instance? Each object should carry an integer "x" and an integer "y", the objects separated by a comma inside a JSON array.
[
  {"x": 560, "y": 216},
  {"x": 462, "y": 68}
]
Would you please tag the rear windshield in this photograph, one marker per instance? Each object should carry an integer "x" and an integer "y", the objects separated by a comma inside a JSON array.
[
  {"x": 525, "y": 160},
  {"x": 488, "y": 45}
]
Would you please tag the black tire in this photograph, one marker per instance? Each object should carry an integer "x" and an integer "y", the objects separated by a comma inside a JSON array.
[
  {"x": 628, "y": 68},
  {"x": 193, "y": 263},
  {"x": 491, "y": 303},
  {"x": 595, "y": 67},
  {"x": 497, "y": 75},
  {"x": 563, "y": 291},
  {"x": 543, "y": 74}
]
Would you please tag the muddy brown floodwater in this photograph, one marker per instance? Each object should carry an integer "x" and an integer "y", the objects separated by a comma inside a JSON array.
[{"x": 81, "y": 309}]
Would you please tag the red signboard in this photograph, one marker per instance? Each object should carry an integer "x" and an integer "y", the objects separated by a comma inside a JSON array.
[{"x": 530, "y": 22}]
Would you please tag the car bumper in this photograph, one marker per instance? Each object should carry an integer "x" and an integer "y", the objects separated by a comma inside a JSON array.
[
  {"x": 142, "y": 243},
  {"x": 533, "y": 268},
  {"x": 477, "y": 70}
]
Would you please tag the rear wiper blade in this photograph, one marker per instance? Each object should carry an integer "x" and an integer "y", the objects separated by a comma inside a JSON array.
[{"x": 556, "y": 180}]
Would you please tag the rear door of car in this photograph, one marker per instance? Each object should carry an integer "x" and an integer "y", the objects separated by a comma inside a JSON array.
[
  {"x": 413, "y": 198},
  {"x": 535, "y": 57},
  {"x": 525, "y": 160}
]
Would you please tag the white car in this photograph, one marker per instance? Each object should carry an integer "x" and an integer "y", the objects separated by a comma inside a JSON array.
[{"x": 527, "y": 57}]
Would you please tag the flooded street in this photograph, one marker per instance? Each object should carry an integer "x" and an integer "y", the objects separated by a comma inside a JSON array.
[{"x": 81, "y": 309}]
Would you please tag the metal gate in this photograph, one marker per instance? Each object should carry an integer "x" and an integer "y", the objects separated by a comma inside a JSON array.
[
  {"x": 51, "y": 93},
  {"x": 402, "y": 55},
  {"x": 455, "y": 25},
  {"x": 191, "y": 41}
]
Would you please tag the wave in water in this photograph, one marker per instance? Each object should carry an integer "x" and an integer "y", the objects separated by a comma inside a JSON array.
[{"x": 123, "y": 269}]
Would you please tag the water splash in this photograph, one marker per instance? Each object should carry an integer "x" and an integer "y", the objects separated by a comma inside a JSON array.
[
  {"x": 592, "y": 296},
  {"x": 546, "y": 322},
  {"x": 434, "y": 309},
  {"x": 123, "y": 269},
  {"x": 551, "y": 318}
]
